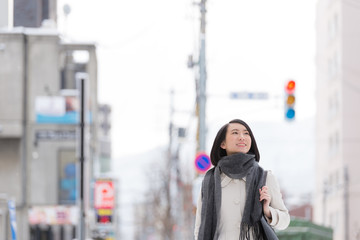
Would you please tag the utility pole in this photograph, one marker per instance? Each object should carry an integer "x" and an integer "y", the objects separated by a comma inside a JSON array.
[
  {"x": 175, "y": 185},
  {"x": 81, "y": 227},
  {"x": 171, "y": 124},
  {"x": 169, "y": 234},
  {"x": 201, "y": 82}
]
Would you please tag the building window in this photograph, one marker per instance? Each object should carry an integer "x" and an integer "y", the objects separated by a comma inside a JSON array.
[
  {"x": 334, "y": 143},
  {"x": 330, "y": 145},
  {"x": 330, "y": 68},
  {"x": 334, "y": 220},
  {"x": 337, "y": 180},
  {"x": 333, "y": 105},
  {"x": 337, "y": 142},
  {"x": 333, "y": 27},
  {"x": 333, "y": 66},
  {"x": 67, "y": 174},
  {"x": 45, "y": 10},
  {"x": 72, "y": 63},
  {"x": 336, "y": 103},
  {"x": 331, "y": 184}
]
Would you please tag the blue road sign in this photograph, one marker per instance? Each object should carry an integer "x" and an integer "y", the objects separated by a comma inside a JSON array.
[
  {"x": 250, "y": 95},
  {"x": 202, "y": 162}
]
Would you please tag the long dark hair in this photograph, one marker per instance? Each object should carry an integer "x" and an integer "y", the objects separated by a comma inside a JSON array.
[{"x": 217, "y": 152}]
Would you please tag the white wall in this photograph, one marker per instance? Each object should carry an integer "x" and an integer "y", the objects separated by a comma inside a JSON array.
[{"x": 6, "y": 13}]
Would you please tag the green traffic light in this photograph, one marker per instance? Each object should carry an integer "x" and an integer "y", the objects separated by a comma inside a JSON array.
[{"x": 290, "y": 114}]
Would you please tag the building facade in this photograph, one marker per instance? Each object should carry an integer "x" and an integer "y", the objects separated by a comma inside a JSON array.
[
  {"x": 337, "y": 191},
  {"x": 39, "y": 108},
  {"x": 104, "y": 136},
  {"x": 6, "y": 18}
]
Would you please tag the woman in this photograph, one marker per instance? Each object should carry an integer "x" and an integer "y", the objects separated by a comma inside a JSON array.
[{"x": 232, "y": 199}]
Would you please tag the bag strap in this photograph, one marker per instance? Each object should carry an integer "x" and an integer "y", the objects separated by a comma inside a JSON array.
[
  {"x": 263, "y": 183},
  {"x": 263, "y": 179},
  {"x": 268, "y": 231}
]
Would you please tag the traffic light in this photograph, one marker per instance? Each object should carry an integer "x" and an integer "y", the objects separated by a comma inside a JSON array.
[{"x": 290, "y": 100}]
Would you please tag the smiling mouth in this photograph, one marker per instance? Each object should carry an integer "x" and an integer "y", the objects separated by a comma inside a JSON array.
[{"x": 241, "y": 145}]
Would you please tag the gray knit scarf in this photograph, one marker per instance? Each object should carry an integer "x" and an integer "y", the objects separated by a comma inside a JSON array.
[{"x": 234, "y": 166}]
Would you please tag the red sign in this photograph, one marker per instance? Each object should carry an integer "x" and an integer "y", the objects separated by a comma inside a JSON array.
[
  {"x": 104, "y": 193},
  {"x": 104, "y": 215},
  {"x": 202, "y": 162}
]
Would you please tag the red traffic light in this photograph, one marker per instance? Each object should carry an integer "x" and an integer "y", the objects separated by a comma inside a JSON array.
[{"x": 290, "y": 87}]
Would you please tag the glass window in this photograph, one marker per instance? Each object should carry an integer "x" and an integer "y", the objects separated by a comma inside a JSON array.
[{"x": 67, "y": 174}]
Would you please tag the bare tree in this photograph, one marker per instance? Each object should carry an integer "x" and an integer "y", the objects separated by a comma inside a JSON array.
[{"x": 155, "y": 214}]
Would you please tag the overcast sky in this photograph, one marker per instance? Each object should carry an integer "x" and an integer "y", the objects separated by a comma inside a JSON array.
[
  {"x": 143, "y": 48},
  {"x": 252, "y": 46}
]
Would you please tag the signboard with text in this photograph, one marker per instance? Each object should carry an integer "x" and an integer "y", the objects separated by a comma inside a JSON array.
[
  {"x": 250, "y": 95},
  {"x": 104, "y": 194},
  {"x": 104, "y": 200},
  {"x": 58, "y": 110},
  {"x": 53, "y": 215}
]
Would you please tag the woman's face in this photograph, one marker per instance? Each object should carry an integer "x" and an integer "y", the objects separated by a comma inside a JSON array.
[{"x": 237, "y": 139}]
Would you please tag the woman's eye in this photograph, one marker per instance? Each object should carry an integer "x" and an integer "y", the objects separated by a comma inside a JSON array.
[{"x": 235, "y": 132}]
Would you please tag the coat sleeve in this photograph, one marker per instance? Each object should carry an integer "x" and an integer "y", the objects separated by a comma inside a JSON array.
[
  {"x": 279, "y": 213},
  {"x": 198, "y": 217}
]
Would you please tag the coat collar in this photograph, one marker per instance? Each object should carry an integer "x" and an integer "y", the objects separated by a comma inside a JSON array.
[{"x": 225, "y": 180}]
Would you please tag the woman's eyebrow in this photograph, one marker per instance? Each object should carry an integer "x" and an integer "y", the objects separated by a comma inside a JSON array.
[{"x": 235, "y": 129}]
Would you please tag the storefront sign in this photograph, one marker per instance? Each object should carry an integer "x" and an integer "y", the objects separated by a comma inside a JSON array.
[
  {"x": 55, "y": 135},
  {"x": 104, "y": 216},
  {"x": 58, "y": 110},
  {"x": 53, "y": 215},
  {"x": 104, "y": 194}
]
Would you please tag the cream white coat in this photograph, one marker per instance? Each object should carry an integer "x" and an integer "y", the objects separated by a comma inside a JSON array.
[{"x": 232, "y": 206}]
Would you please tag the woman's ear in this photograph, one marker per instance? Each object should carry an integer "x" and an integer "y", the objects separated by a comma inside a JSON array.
[{"x": 223, "y": 145}]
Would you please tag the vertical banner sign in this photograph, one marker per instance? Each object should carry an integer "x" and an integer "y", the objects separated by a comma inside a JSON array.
[
  {"x": 12, "y": 216},
  {"x": 104, "y": 194},
  {"x": 104, "y": 201}
]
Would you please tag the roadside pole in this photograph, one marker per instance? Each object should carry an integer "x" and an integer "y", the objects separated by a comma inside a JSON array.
[
  {"x": 202, "y": 82},
  {"x": 81, "y": 226}
]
